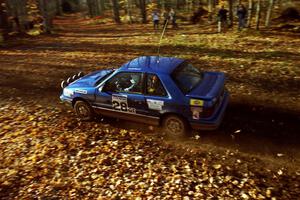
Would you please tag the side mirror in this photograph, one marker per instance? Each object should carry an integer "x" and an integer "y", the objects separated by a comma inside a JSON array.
[{"x": 100, "y": 89}]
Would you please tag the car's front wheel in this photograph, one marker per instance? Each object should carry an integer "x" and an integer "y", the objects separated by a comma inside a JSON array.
[
  {"x": 83, "y": 110},
  {"x": 175, "y": 126}
]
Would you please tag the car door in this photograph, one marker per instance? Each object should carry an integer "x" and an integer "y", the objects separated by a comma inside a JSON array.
[
  {"x": 122, "y": 96},
  {"x": 156, "y": 96}
]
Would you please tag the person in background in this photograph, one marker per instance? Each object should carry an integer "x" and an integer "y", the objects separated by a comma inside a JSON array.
[
  {"x": 155, "y": 17},
  {"x": 165, "y": 15},
  {"x": 241, "y": 14},
  {"x": 222, "y": 19},
  {"x": 172, "y": 16}
]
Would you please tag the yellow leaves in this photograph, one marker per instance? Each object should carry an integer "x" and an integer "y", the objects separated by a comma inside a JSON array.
[
  {"x": 217, "y": 166},
  {"x": 72, "y": 156},
  {"x": 34, "y": 32},
  {"x": 6, "y": 127},
  {"x": 6, "y": 183},
  {"x": 280, "y": 172}
]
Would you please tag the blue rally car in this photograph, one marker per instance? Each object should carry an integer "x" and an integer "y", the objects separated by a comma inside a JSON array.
[{"x": 153, "y": 90}]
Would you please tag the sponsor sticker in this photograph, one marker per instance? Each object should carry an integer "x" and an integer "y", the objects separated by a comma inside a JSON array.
[
  {"x": 81, "y": 91},
  {"x": 155, "y": 104},
  {"x": 196, "y": 102},
  {"x": 196, "y": 112}
]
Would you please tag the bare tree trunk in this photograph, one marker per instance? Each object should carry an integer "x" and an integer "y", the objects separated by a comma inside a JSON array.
[
  {"x": 102, "y": 4},
  {"x": 90, "y": 7},
  {"x": 189, "y": 5},
  {"x": 269, "y": 13},
  {"x": 4, "y": 26},
  {"x": 59, "y": 7},
  {"x": 101, "y": 7},
  {"x": 97, "y": 7},
  {"x": 115, "y": 4},
  {"x": 143, "y": 11},
  {"x": 3, "y": 16},
  {"x": 163, "y": 4},
  {"x": 210, "y": 8},
  {"x": 197, "y": 4},
  {"x": 93, "y": 7},
  {"x": 257, "y": 17},
  {"x": 19, "y": 14},
  {"x": 177, "y": 4},
  {"x": 129, "y": 11},
  {"x": 46, "y": 15},
  {"x": 250, "y": 9},
  {"x": 230, "y": 9}
]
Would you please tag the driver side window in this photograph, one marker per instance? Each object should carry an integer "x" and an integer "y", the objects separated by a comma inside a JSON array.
[{"x": 129, "y": 82}]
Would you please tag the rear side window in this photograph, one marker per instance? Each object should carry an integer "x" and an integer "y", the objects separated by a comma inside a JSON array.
[
  {"x": 154, "y": 86},
  {"x": 187, "y": 77}
]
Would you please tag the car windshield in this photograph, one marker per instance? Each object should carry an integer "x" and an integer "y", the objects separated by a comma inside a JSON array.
[
  {"x": 187, "y": 77},
  {"x": 109, "y": 72}
]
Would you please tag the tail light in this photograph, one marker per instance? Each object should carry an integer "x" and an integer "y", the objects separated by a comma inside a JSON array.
[{"x": 207, "y": 112}]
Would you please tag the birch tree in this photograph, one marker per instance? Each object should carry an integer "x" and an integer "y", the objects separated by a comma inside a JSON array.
[
  {"x": 210, "y": 8},
  {"x": 257, "y": 15},
  {"x": 250, "y": 10},
  {"x": 269, "y": 13}
]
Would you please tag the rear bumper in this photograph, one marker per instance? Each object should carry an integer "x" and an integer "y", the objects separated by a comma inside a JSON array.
[{"x": 214, "y": 123}]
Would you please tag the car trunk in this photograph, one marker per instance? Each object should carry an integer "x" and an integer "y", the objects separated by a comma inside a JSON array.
[{"x": 210, "y": 90}]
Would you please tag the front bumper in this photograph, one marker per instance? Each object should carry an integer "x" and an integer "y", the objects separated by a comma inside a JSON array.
[
  {"x": 215, "y": 122},
  {"x": 66, "y": 99}
]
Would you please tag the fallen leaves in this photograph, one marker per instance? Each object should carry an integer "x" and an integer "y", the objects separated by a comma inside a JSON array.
[{"x": 48, "y": 153}]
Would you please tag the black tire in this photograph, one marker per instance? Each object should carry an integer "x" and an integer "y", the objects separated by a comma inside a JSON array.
[
  {"x": 84, "y": 111},
  {"x": 175, "y": 126}
]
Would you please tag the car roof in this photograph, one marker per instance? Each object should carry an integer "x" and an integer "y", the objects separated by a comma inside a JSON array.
[{"x": 154, "y": 64}]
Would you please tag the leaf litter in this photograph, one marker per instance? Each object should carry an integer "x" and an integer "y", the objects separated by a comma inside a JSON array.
[{"x": 46, "y": 152}]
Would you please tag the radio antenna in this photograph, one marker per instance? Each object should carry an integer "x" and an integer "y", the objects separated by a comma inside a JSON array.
[{"x": 161, "y": 37}]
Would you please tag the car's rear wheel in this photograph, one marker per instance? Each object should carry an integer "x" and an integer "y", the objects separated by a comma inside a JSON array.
[
  {"x": 83, "y": 110},
  {"x": 175, "y": 126}
]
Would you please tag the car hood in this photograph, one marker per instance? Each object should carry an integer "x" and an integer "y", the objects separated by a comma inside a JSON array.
[
  {"x": 210, "y": 87},
  {"x": 89, "y": 80}
]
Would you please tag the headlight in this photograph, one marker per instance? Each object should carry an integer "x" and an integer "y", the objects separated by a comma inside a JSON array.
[{"x": 68, "y": 92}]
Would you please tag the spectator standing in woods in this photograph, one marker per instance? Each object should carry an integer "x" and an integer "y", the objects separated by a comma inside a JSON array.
[
  {"x": 155, "y": 16},
  {"x": 165, "y": 15},
  {"x": 241, "y": 14},
  {"x": 172, "y": 16},
  {"x": 222, "y": 19}
]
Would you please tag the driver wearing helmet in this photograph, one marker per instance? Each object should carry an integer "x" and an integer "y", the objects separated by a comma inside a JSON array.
[{"x": 133, "y": 82}]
